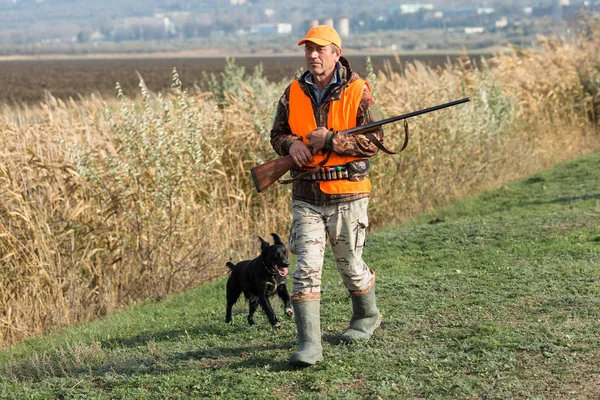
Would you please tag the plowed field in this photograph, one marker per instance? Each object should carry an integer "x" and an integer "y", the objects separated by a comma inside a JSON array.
[{"x": 25, "y": 81}]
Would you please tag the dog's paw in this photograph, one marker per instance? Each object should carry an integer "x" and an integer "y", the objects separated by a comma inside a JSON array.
[{"x": 289, "y": 312}]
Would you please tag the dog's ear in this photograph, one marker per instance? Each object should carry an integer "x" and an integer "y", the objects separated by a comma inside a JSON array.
[
  {"x": 277, "y": 238},
  {"x": 263, "y": 243}
]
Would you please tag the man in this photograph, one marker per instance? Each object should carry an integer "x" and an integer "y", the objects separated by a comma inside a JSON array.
[{"x": 331, "y": 200}]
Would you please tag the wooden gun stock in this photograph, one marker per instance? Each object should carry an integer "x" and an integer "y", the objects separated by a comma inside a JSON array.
[{"x": 264, "y": 175}]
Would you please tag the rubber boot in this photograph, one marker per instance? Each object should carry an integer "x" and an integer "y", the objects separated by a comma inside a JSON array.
[
  {"x": 308, "y": 323},
  {"x": 365, "y": 317}
]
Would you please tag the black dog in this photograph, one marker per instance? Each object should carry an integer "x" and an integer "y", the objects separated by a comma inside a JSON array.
[{"x": 260, "y": 279}]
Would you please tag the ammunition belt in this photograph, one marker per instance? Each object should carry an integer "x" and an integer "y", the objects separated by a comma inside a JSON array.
[
  {"x": 324, "y": 174},
  {"x": 356, "y": 170}
]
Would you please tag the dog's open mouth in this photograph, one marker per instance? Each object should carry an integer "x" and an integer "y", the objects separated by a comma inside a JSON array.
[{"x": 283, "y": 271}]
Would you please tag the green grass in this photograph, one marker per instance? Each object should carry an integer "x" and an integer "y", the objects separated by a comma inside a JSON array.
[{"x": 496, "y": 297}]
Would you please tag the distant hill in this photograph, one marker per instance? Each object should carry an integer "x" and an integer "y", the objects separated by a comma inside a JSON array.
[
  {"x": 21, "y": 14},
  {"x": 32, "y": 25}
]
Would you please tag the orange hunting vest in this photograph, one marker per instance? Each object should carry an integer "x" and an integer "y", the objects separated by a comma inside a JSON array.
[{"x": 342, "y": 115}]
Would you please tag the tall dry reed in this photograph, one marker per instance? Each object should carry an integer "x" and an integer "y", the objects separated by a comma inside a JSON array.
[{"x": 103, "y": 203}]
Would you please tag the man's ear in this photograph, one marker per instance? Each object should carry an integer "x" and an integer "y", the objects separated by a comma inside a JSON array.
[{"x": 338, "y": 53}]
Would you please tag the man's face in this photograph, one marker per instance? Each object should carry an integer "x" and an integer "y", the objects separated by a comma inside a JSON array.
[{"x": 320, "y": 60}]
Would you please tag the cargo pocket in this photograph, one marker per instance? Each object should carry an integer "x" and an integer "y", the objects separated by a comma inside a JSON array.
[{"x": 361, "y": 233}]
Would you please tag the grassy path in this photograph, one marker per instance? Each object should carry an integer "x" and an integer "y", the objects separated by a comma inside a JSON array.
[{"x": 496, "y": 297}]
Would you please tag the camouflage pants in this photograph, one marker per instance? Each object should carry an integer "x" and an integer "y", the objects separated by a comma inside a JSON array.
[{"x": 345, "y": 224}]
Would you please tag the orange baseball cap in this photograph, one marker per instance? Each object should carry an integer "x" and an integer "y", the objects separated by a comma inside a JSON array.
[{"x": 322, "y": 35}]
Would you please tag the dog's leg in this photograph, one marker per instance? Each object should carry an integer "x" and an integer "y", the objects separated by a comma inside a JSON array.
[
  {"x": 283, "y": 294},
  {"x": 233, "y": 292},
  {"x": 252, "y": 306},
  {"x": 266, "y": 306}
]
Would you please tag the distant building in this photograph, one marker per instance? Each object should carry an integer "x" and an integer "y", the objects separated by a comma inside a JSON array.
[
  {"x": 283, "y": 29},
  {"x": 486, "y": 10},
  {"x": 178, "y": 17},
  {"x": 343, "y": 27},
  {"x": 97, "y": 36},
  {"x": 272, "y": 29},
  {"x": 502, "y": 23},
  {"x": 410, "y": 8},
  {"x": 474, "y": 30},
  {"x": 140, "y": 24}
]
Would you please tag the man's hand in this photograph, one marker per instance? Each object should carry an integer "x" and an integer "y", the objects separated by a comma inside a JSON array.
[
  {"x": 316, "y": 139},
  {"x": 300, "y": 153}
]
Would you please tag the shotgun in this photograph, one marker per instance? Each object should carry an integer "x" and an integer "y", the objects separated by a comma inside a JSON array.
[{"x": 264, "y": 175}]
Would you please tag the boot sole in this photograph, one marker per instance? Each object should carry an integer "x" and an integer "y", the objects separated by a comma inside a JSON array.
[{"x": 305, "y": 363}]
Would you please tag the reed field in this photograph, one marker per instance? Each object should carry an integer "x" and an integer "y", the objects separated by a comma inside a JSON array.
[{"x": 107, "y": 202}]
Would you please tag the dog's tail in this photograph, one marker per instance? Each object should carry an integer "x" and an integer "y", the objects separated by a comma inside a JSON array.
[{"x": 230, "y": 265}]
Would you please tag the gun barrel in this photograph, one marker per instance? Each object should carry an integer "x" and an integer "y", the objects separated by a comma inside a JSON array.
[{"x": 376, "y": 125}]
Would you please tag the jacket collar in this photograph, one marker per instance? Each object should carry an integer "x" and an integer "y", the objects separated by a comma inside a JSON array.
[
  {"x": 344, "y": 76},
  {"x": 343, "y": 72}
]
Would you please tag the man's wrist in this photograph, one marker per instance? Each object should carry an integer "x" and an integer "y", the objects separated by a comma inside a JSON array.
[
  {"x": 329, "y": 140},
  {"x": 289, "y": 142}
]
